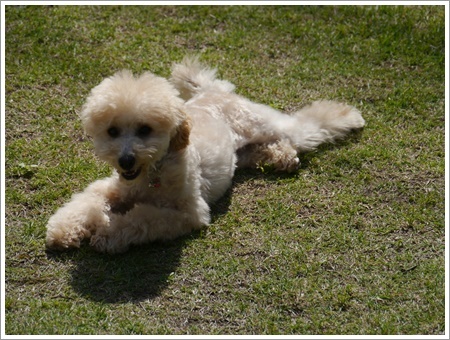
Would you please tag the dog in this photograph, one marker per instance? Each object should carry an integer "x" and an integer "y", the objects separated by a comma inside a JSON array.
[{"x": 175, "y": 144}]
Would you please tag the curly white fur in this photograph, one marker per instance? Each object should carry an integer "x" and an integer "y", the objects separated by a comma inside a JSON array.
[{"x": 175, "y": 145}]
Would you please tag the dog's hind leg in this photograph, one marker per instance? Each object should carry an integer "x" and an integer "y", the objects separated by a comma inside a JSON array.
[{"x": 280, "y": 154}]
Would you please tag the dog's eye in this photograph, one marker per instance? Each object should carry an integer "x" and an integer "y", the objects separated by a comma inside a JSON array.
[
  {"x": 113, "y": 132},
  {"x": 144, "y": 131}
]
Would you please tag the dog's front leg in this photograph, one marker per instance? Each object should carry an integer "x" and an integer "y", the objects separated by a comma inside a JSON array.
[
  {"x": 145, "y": 223},
  {"x": 82, "y": 215}
]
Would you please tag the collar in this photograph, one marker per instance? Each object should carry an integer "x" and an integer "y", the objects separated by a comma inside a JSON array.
[{"x": 154, "y": 173}]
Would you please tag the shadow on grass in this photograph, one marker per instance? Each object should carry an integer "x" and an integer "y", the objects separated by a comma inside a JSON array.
[
  {"x": 139, "y": 274},
  {"x": 144, "y": 271}
]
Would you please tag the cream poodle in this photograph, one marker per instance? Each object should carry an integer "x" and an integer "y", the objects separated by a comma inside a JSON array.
[{"x": 175, "y": 145}]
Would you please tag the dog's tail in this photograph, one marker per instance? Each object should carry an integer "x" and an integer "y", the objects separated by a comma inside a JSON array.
[
  {"x": 190, "y": 77},
  {"x": 320, "y": 122}
]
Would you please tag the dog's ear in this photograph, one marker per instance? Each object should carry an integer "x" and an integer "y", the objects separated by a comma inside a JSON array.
[{"x": 181, "y": 138}]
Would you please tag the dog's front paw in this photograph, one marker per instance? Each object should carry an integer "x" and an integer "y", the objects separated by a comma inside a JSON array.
[
  {"x": 64, "y": 238},
  {"x": 105, "y": 244},
  {"x": 98, "y": 243},
  {"x": 61, "y": 244}
]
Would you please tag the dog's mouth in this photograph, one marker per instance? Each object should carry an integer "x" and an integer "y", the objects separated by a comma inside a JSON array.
[{"x": 131, "y": 174}]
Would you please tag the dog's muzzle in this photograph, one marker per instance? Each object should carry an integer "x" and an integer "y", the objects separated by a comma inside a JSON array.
[
  {"x": 127, "y": 163},
  {"x": 132, "y": 174}
]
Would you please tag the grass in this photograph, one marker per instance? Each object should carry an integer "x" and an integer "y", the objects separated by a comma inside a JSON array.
[{"x": 353, "y": 243}]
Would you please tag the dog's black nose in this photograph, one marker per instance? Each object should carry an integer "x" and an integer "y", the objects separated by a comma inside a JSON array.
[{"x": 127, "y": 162}]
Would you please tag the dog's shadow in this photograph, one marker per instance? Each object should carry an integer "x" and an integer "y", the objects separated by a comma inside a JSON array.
[
  {"x": 139, "y": 274},
  {"x": 144, "y": 271}
]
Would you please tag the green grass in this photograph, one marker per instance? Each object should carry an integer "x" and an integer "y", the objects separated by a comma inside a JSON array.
[{"x": 353, "y": 243}]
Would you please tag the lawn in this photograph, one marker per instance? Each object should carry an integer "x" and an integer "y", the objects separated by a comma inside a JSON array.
[{"x": 352, "y": 243}]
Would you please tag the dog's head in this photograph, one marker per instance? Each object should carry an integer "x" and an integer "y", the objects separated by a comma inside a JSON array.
[{"x": 135, "y": 121}]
